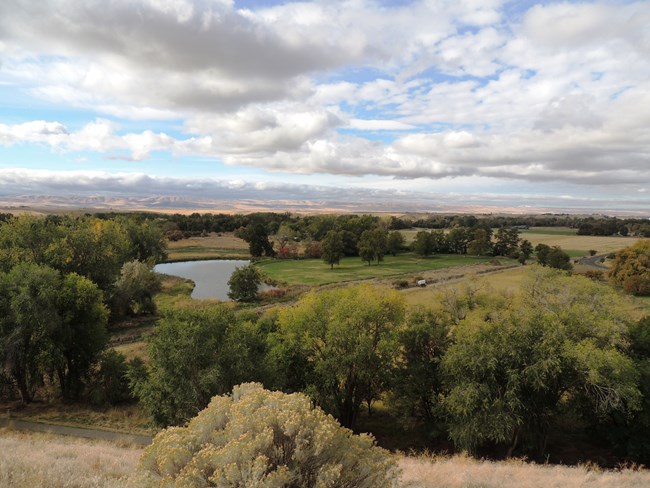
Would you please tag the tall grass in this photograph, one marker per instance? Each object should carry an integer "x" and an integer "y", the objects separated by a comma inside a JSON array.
[
  {"x": 466, "y": 472},
  {"x": 30, "y": 460}
]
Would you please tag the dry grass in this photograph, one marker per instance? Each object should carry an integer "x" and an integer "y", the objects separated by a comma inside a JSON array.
[
  {"x": 602, "y": 244},
  {"x": 43, "y": 460},
  {"x": 130, "y": 419},
  {"x": 506, "y": 281},
  {"x": 220, "y": 245},
  {"x": 465, "y": 472},
  {"x": 29, "y": 460}
]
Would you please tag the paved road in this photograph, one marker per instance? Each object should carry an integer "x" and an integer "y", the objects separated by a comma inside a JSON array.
[
  {"x": 17, "y": 424},
  {"x": 593, "y": 261}
]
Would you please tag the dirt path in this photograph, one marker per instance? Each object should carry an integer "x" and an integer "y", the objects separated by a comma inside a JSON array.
[{"x": 105, "y": 435}]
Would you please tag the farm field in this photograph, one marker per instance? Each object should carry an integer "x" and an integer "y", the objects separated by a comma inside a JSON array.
[
  {"x": 49, "y": 461},
  {"x": 316, "y": 272},
  {"x": 224, "y": 245},
  {"x": 573, "y": 244}
]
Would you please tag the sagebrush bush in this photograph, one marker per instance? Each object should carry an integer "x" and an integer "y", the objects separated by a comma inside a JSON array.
[{"x": 256, "y": 438}]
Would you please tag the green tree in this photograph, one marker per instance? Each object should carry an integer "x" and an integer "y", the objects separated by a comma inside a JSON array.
[
  {"x": 81, "y": 334},
  {"x": 558, "y": 259},
  {"x": 258, "y": 438},
  {"x": 108, "y": 384},
  {"x": 631, "y": 268},
  {"x": 194, "y": 354},
  {"x": 348, "y": 339},
  {"x": 558, "y": 347},
  {"x": 147, "y": 241},
  {"x": 417, "y": 389},
  {"x": 28, "y": 316},
  {"x": 25, "y": 239},
  {"x": 480, "y": 245},
  {"x": 51, "y": 325},
  {"x": 395, "y": 242},
  {"x": 244, "y": 283},
  {"x": 332, "y": 248},
  {"x": 506, "y": 241},
  {"x": 90, "y": 247},
  {"x": 542, "y": 251},
  {"x": 373, "y": 245},
  {"x": 525, "y": 250},
  {"x": 135, "y": 289},
  {"x": 423, "y": 244},
  {"x": 458, "y": 240},
  {"x": 257, "y": 237}
]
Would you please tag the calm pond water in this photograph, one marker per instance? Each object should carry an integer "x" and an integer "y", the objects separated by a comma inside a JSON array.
[{"x": 211, "y": 277}]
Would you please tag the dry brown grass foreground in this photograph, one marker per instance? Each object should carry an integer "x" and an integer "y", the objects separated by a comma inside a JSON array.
[
  {"x": 30, "y": 460},
  {"x": 465, "y": 472}
]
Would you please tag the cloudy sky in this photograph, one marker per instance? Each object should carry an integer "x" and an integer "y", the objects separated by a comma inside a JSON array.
[{"x": 512, "y": 104}]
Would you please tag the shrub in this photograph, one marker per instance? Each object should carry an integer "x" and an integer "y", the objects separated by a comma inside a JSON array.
[
  {"x": 109, "y": 385},
  {"x": 400, "y": 284},
  {"x": 259, "y": 438},
  {"x": 596, "y": 275}
]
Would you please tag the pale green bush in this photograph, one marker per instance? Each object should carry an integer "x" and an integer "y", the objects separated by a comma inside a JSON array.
[{"x": 256, "y": 438}]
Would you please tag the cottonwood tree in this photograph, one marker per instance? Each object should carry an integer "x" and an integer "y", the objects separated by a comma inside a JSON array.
[
  {"x": 506, "y": 241},
  {"x": 50, "y": 325},
  {"x": 373, "y": 245},
  {"x": 512, "y": 370},
  {"x": 395, "y": 242},
  {"x": 194, "y": 355},
  {"x": 348, "y": 341},
  {"x": 417, "y": 389}
]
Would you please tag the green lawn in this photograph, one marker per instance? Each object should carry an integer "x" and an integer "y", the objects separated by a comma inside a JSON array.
[{"x": 316, "y": 272}]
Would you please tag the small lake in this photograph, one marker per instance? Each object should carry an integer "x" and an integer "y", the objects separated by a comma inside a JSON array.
[{"x": 210, "y": 277}]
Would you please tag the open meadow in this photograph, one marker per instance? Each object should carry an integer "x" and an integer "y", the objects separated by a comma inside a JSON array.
[
  {"x": 222, "y": 245},
  {"x": 29, "y": 460},
  {"x": 316, "y": 272}
]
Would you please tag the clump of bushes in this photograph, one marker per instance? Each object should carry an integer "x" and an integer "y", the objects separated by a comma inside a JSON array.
[
  {"x": 260, "y": 438},
  {"x": 401, "y": 284}
]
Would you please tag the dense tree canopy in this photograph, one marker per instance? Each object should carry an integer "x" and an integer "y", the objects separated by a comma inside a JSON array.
[
  {"x": 510, "y": 372},
  {"x": 348, "y": 339},
  {"x": 194, "y": 355},
  {"x": 50, "y": 325}
]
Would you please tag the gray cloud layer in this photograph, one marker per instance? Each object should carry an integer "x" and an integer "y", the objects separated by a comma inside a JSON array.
[{"x": 434, "y": 90}]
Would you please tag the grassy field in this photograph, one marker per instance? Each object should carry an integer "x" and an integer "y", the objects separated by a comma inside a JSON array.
[
  {"x": 316, "y": 272},
  {"x": 573, "y": 244},
  {"x": 556, "y": 231},
  {"x": 223, "y": 245},
  {"x": 506, "y": 282},
  {"x": 28, "y": 460}
]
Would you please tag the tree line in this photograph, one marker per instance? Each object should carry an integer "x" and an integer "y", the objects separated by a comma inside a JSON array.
[
  {"x": 62, "y": 281},
  {"x": 492, "y": 373}
]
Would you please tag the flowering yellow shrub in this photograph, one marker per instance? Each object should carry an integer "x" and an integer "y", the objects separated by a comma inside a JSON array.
[{"x": 256, "y": 438}]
